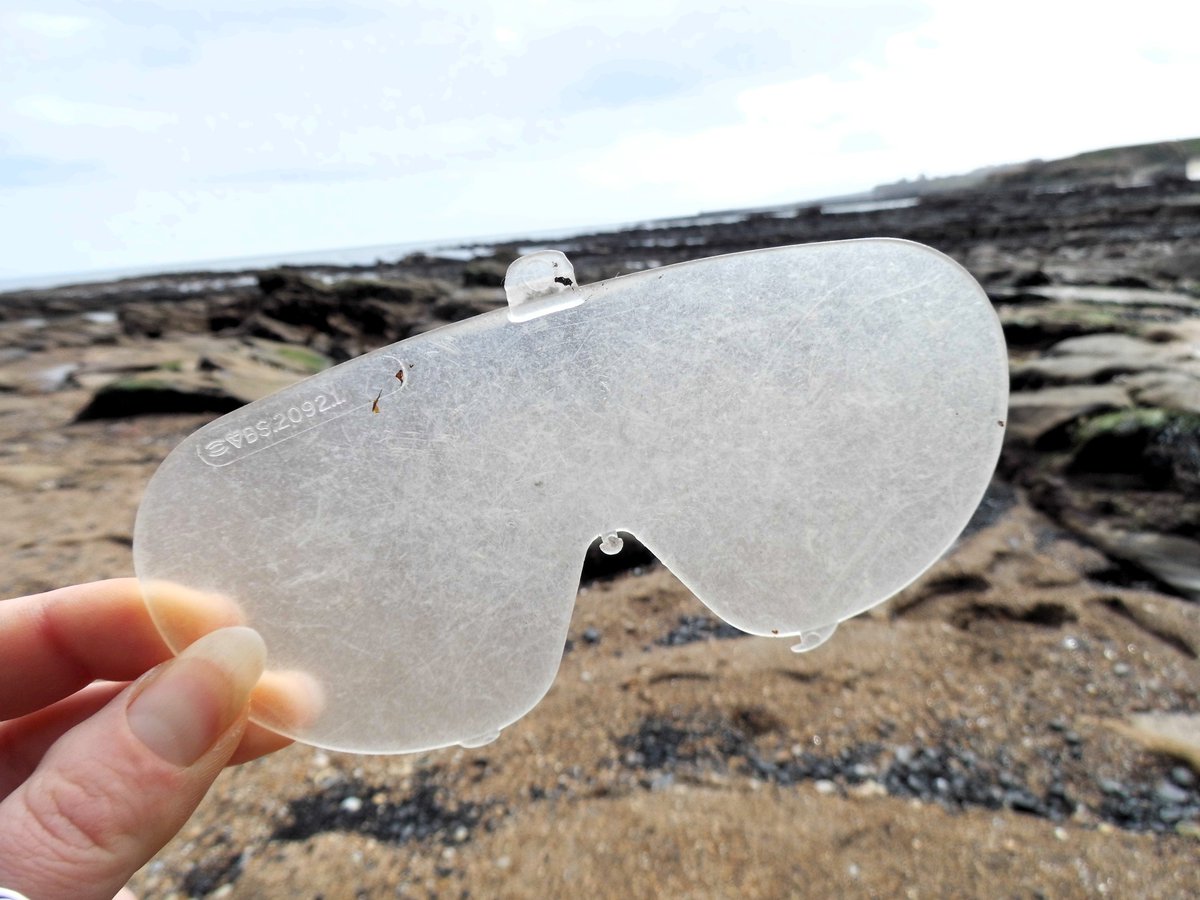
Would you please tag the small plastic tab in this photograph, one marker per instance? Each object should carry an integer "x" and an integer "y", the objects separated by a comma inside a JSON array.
[
  {"x": 480, "y": 740},
  {"x": 611, "y": 543},
  {"x": 814, "y": 638},
  {"x": 538, "y": 284}
]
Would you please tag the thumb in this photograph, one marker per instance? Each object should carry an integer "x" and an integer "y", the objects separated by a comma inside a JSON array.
[{"x": 115, "y": 788}]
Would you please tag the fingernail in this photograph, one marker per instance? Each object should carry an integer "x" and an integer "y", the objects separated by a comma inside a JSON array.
[{"x": 184, "y": 707}]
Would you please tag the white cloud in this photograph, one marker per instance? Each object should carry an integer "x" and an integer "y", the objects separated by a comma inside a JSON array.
[
  {"x": 56, "y": 26},
  {"x": 60, "y": 111},
  {"x": 957, "y": 92}
]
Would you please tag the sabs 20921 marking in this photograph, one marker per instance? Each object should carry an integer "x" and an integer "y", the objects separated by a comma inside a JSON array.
[{"x": 279, "y": 426}]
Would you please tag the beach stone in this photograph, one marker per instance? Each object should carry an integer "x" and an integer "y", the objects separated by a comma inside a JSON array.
[
  {"x": 30, "y": 475},
  {"x": 356, "y": 309},
  {"x": 158, "y": 392},
  {"x": 1181, "y": 265},
  {"x": 1042, "y": 324},
  {"x": 153, "y": 320},
  {"x": 263, "y": 325},
  {"x": 1118, "y": 296},
  {"x": 1175, "y": 733},
  {"x": 1161, "y": 449},
  {"x": 221, "y": 379},
  {"x": 1167, "y": 792},
  {"x": 1122, "y": 347},
  {"x": 1168, "y": 620},
  {"x": 1172, "y": 559},
  {"x": 487, "y": 272},
  {"x": 1173, "y": 390},
  {"x": 1032, "y": 415},
  {"x": 257, "y": 352},
  {"x": 1073, "y": 369}
]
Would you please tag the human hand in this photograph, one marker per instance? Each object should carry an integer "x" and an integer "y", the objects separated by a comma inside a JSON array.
[{"x": 97, "y": 773}]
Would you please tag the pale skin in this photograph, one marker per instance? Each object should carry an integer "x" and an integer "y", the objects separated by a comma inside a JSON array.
[{"x": 107, "y": 741}]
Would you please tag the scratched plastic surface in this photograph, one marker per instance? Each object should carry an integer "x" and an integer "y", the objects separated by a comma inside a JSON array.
[{"x": 797, "y": 433}]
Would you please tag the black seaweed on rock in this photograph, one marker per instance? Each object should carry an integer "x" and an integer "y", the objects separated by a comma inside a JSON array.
[
  {"x": 201, "y": 880},
  {"x": 948, "y": 773},
  {"x": 698, "y": 628},
  {"x": 429, "y": 812}
]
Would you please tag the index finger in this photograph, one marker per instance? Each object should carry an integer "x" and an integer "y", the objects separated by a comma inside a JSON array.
[{"x": 55, "y": 643}]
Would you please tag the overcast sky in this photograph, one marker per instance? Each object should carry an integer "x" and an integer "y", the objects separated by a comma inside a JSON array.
[{"x": 145, "y": 133}]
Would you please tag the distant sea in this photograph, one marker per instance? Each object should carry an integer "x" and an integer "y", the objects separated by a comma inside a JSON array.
[
  {"x": 461, "y": 248},
  {"x": 345, "y": 256}
]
